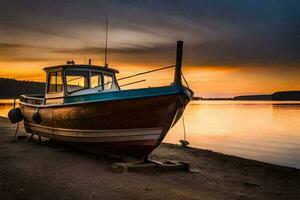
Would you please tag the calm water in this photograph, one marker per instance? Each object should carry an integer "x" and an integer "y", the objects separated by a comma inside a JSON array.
[{"x": 268, "y": 131}]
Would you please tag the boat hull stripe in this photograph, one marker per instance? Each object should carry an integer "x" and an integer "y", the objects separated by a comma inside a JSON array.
[{"x": 97, "y": 135}]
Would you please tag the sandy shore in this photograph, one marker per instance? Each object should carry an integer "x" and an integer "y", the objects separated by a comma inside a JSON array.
[{"x": 30, "y": 170}]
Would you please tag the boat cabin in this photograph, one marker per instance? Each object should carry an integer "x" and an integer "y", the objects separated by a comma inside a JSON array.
[{"x": 71, "y": 80}]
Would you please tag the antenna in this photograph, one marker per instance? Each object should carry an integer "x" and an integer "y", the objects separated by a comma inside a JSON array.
[
  {"x": 106, "y": 49},
  {"x": 84, "y": 52}
]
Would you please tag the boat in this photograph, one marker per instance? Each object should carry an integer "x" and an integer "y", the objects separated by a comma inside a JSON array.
[{"x": 84, "y": 106}]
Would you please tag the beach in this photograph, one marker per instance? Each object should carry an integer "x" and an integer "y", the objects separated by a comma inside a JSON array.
[{"x": 32, "y": 170}]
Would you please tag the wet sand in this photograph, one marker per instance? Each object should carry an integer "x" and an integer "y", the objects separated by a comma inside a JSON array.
[{"x": 29, "y": 170}]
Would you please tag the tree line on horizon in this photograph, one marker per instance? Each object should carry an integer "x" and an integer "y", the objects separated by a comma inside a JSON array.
[
  {"x": 11, "y": 88},
  {"x": 279, "y": 96}
]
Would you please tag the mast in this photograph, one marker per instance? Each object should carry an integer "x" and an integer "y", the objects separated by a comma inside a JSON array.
[
  {"x": 177, "y": 76},
  {"x": 106, "y": 49}
]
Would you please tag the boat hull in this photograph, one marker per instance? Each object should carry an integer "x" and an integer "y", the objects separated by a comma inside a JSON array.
[{"x": 133, "y": 127}]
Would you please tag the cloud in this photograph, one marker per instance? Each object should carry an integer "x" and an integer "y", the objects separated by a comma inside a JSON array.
[
  {"x": 5, "y": 45},
  {"x": 215, "y": 32}
]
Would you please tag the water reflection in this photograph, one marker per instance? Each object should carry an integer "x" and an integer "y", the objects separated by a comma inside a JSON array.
[
  {"x": 292, "y": 106},
  {"x": 262, "y": 130}
]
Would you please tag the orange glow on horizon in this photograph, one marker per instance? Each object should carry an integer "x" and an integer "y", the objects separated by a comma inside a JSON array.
[{"x": 206, "y": 81}]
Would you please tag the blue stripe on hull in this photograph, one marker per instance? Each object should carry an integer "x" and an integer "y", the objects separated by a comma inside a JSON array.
[{"x": 125, "y": 94}]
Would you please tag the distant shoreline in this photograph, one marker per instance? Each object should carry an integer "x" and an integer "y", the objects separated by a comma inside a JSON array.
[{"x": 276, "y": 96}]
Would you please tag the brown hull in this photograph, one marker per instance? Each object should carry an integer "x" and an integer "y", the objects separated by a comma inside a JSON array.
[{"x": 134, "y": 126}]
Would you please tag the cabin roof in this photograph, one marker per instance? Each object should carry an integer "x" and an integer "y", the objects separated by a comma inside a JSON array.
[{"x": 62, "y": 67}]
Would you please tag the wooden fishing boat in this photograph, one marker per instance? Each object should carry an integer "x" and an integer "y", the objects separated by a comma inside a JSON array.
[{"x": 83, "y": 105}]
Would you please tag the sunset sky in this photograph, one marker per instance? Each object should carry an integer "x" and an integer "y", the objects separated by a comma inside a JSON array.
[{"x": 230, "y": 47}]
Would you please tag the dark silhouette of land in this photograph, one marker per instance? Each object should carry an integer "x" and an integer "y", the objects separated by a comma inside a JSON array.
[
  {"x": 215, "y": 99},
  {"x": 254, "y": 97},
  {"x": 287, "y": 95},
  {"x": 11, "y": 88},
  {"x": 277, "y": 96}
]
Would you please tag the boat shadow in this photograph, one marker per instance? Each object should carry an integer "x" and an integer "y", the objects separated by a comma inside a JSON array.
[{"x": 113, "y": 162}]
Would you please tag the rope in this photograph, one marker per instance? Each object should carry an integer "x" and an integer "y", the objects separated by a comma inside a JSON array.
[
  {"x": 16, "y": 132},
  {"x": 184, "y": 132},
  {"x": 142, "y": 73},
  {"x": 133, "y": 83},
  {"x": 15, "y": 137},
  {"x": 185, "y": 80}
]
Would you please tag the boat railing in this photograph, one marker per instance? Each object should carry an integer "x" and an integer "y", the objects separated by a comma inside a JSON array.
[
  {"x": 146, "y": 72},
  {"x": 32, "y": 99},
  {"x": 140, "y": 74}
]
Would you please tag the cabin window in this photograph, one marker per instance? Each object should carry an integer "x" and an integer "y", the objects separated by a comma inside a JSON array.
[
  {"x": 108, "y": 81},
  {"x": 77, "y": 80},
  {"x": 96, "y": 80},
  {"x": 55, "y": 82}
]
